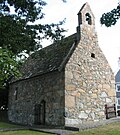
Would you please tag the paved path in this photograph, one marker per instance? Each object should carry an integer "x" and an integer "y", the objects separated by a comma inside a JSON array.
[
  {"x": 51, "y": 131},
  {"x": 55, "y": 131}
]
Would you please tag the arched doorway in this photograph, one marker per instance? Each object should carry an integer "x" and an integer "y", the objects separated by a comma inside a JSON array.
[{"x": 40, "y": 113}]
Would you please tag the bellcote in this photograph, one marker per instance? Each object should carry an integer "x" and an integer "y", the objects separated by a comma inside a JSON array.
[
  {"x": 85, "y": 16},
  {"x": 86, "y": 20}
]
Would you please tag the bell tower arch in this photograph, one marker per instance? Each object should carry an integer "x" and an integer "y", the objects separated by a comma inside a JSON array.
[{"x": 86, "y": 20}]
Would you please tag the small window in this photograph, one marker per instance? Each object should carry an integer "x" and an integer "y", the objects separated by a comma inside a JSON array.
[
  {"x": 92, "y": 55},
  {"x": 118, "y": 107},
  {"x": 16, "y": 93},
  {"x": 118, "y": 94},
  {"x": 118, "y": 87},
  {"x": 88, "y": 18},
  {"x": 118, "y": 101}
]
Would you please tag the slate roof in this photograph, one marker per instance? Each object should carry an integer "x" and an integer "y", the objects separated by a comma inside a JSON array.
[
  {"x": 50, "y": 58},
  {"x": 117, "y": 76}
]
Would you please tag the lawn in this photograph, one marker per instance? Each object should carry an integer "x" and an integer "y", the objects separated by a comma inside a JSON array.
[
  {"x": 22, "y": 132},
  {"x": 18, "y": 132},
  {"x": 110, "y": 129},
  {"x": 7, "y": 125}
]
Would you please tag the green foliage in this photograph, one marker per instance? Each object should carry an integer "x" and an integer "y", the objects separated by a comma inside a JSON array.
[
  {"x": 111, "y": 17},
  {"x": 8, "y": 66},
  {"x": 18, "y": 29},
  {"x": 14, "y": 36},
  {"x": 19, "y": 32},
  {"x": 29, "y": 9}
]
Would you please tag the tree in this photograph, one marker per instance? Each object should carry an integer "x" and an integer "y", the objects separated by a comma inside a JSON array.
[
  {"x": 8, "y": 66},
  {"x": 19, "y": 32},
  {"x": 110, "y": 18}
]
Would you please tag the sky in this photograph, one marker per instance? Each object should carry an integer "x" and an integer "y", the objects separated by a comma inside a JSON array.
[{"x": 108, "y": 38}]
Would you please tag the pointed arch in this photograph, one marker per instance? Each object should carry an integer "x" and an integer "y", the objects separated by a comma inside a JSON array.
[{"x": 40, "y": 113}]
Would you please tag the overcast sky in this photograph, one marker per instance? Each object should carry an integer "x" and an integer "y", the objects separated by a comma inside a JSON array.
[{"x": 108, "y": 38}]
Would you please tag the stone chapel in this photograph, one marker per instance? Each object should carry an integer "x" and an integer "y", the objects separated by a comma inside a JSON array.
[{"x": 66, "y": 83}]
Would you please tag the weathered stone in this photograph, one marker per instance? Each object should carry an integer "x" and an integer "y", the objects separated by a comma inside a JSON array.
[
  {"x": 71, "y": 121},
  {"x": 111, "y": 92},
  {"x": 76, "y": 94},
  {"x": 93, "y": 115},
  {"x": 76, "y": 75},
  {"x": 70, "y": 87},
  {"x": 103, "y": 94},
  {"x": 84, "y": 84},
  {"x": 108, "y": 100},
  {"x": 88, "y": 111},
  {"x": 94, "y": 96},
  {"x": 101, "y": 113},
  {"x": 83, "y": 115},
  {"x": 81, "y": 105},
  {"x": 82, "y": 91},
  {"x": 90, "y": 92},
  {"x": 70, "y": 101},
  {"x": 69, "y": 74},
  {"x": 106, "y": 86}
]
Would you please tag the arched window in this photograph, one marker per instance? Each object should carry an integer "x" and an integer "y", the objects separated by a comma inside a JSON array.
[
  {"x": 88, "y": 18},
  {"x": 16, "y": 93}
]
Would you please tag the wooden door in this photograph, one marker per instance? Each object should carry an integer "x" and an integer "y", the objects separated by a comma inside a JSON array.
[{"x": 40, "y": 113}]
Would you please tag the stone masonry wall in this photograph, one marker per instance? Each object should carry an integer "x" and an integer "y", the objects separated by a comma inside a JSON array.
[
  {"x": 48, "y": 87},
  {"x": 89, "y": 81}
]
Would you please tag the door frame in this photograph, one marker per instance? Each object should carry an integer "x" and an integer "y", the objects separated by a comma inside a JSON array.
[{"x": 40, "y": 113}]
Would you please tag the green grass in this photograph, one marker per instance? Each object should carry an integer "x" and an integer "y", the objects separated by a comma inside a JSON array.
[
  {"x": 22, "y": 132},
  {"x": 7, "y": 125},
  {"x": 110, "y": 129},
  {"x": 18, "y": 132}
]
